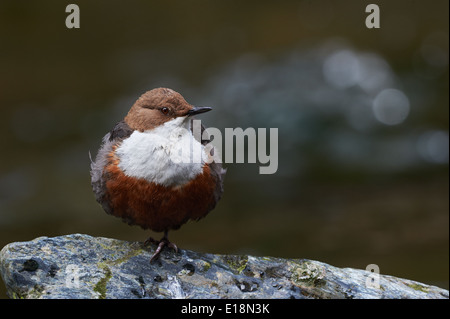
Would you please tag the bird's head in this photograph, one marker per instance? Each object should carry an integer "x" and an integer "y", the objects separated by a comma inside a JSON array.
[{"x": 158, "y": 106}]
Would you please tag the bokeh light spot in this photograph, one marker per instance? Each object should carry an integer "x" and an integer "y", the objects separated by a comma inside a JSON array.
[
  {"x": 433, "y": 146},
  {"x": 391, "y": 107}
]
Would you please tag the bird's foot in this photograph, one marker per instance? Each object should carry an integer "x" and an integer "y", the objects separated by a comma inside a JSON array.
[
  {"x": 150, "y": 240},
  {"x": 164, "y": 242}
]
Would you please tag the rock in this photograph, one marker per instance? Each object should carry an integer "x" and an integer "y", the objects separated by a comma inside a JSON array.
[{"x": 81, "y": 266}]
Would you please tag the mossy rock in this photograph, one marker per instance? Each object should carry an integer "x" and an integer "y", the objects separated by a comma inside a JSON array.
[{"x": 81, "y": 266}]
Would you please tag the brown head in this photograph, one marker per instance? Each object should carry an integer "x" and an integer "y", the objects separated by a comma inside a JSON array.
[{"x": 158, "y": 106}]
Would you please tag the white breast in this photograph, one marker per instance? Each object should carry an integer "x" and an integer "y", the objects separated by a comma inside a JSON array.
[{"x": 168, "y": 155}]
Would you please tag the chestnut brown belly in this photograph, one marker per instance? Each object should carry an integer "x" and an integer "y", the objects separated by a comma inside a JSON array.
[{"x": 156, "y": 207}]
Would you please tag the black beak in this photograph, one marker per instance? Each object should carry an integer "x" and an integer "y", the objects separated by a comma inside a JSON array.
[{"x": 198, "y": 110}]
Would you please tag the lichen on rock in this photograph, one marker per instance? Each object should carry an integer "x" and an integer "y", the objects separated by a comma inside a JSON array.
[{"x": 82, "y": 266}]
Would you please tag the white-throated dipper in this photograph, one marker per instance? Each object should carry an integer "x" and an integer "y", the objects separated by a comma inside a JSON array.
[{"x": 135, "y": 175}]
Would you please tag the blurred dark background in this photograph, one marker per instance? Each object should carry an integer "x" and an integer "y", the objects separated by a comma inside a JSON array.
[{"x": 362, "y": 116}]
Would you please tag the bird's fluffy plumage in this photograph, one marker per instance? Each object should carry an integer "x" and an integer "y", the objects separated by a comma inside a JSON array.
[{"x": 134, "y": 178}]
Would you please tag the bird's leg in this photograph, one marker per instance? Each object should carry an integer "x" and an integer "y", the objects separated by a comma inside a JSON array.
[{"x": 163, "y": 242}]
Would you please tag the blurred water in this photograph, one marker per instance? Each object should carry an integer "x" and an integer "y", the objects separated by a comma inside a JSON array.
[
  {"x": 362, "y": 117},
  {"x": 342, "y": 115}
]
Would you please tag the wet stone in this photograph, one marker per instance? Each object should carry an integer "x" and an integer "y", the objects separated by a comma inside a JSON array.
[{"x": 82, "y": 266}]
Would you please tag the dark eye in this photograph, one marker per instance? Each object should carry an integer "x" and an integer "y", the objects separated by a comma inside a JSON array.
[{"x": 165, "y": 110}]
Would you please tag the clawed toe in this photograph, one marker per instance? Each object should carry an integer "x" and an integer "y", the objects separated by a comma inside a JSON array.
[{"x": 164, "y": 242}]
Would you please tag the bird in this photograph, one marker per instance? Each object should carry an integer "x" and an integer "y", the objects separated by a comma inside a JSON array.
[{"x": 138, "y": 174}]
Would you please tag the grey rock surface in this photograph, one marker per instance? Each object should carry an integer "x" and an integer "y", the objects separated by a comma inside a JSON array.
[{"x": 81, "y": 266}]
